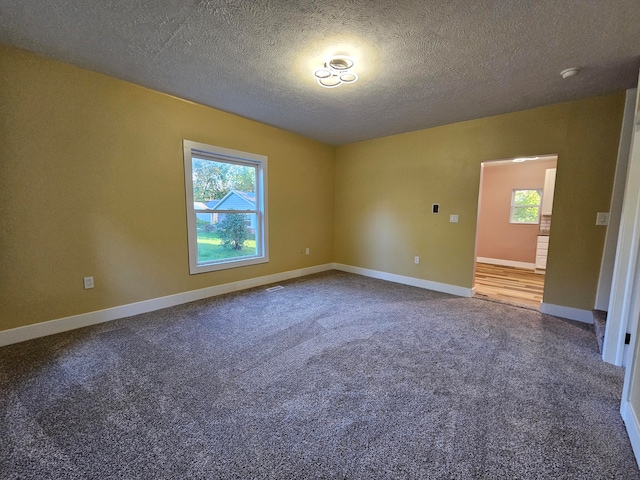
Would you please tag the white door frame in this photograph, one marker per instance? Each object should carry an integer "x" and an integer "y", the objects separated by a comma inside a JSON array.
[
  {"x": 603, "y": 294},
  {"x": 624, "y": 306}
]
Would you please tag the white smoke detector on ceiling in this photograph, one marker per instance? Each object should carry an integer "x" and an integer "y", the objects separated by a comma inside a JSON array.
[{"x": 570, "y": 72}]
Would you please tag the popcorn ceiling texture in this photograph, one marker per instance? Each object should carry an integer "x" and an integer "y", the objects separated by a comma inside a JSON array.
[{"x": 420, "y": 63}]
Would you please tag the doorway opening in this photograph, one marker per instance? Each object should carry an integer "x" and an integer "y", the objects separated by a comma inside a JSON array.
[{"x": 515, "y": 207}]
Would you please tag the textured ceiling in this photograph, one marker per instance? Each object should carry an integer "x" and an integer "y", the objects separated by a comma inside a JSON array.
[{"x": 421, "y": 63}]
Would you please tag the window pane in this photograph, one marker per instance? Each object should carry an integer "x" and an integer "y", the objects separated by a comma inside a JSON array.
[
  {"x": 224, "y": 186},
  {"x": 233, "y": 236},
  {"x": 216, "y": 180},
  {"x": 526, "y": 197},
  {"x": 525, "y": 214}
]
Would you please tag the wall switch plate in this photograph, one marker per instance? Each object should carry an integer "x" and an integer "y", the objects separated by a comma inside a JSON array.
[
  {"x": 416, "y": 260},
  {"x": 435, "y": 208},
  {"x": 306, "y": 251},
  {"x": 602, "y": 218},
  {"x": 453, "y": 218},
  {"x": 88, "y": 283}
]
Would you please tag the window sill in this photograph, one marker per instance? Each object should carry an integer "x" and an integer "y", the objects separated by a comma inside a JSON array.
[{"x": 214, "y": 267}]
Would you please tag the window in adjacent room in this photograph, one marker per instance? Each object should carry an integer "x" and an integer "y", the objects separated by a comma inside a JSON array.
[
  {"x": 226, "y": 194},
  {"x": 525, "y": 205}
]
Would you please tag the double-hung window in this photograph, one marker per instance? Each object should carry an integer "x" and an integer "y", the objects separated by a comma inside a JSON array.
[
  {"x": 226, "y": 193},
  {"x": 525, "y": 205}
]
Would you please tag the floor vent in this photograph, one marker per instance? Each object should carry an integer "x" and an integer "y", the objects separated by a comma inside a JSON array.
[{"x": 273, "y": 289}]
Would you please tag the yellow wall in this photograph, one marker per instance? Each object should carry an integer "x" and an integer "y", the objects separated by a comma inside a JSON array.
[
  {"x": 385, "y": 187},
  {"x": 92, "y": 183}
]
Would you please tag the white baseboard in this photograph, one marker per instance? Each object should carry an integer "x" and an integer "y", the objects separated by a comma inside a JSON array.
[
  {"x": 415, "y": 282},
  {"x": 29, "y": 332},
  {"x": 506, "y": 263},
  {"x": 570, "y": 313},
  {"x": 633, "y": 428}
]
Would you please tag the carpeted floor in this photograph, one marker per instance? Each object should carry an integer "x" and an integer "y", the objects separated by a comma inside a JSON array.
[{"x": 336, "y": 376}]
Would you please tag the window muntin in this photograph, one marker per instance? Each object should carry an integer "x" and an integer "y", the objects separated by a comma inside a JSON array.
[
  {"x": 525, "y": 205},
  {"x": 226, "y": 207}
]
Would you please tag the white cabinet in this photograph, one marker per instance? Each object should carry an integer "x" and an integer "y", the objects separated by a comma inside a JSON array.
[
  {"x": 542, "y": 249},
  {"x": 547, "y": 192}
]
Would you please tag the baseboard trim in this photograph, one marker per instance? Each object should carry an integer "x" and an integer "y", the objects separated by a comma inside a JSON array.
[
  {"x": 29, "y": 332},
  {"x": 570, "y": 313},
  {"x": 633, "y": 427},
  {"x": 415, "y": 282},
  {"x": 506, "y": 263}
]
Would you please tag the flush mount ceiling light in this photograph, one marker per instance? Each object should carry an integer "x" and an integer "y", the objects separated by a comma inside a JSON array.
[
  {"x": 570, "y": 72},
  {"x": 336, "y": 71}
]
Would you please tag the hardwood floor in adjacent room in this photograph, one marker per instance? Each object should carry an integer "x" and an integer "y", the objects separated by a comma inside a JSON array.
[{"x": 510, "y": 284}]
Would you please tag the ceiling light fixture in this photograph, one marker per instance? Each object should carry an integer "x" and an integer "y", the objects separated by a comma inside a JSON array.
[
  {"x": 336, "y": 71},
  {"x": 570, "y": 72}
]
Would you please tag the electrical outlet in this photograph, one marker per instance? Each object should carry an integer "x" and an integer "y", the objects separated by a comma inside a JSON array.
[
  {"x": 602, "y": 218},
  {"x": 435, "y": 208},
  {"x": 306, "y": 251},
  {"x": 453, "y": 218},
  {"x": 416, "y": 260},
  {"x": 88, "y": 283}
]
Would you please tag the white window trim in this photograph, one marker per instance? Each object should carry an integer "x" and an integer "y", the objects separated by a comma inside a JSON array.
[
  {"x": 513, "y": 206},
  {"x": 230, "y": 156}
]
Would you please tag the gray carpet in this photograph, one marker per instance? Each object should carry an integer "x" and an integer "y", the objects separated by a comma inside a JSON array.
[{"x": 336, "y": 376}]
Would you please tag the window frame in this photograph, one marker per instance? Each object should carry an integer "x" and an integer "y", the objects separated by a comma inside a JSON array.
[
  {"x": 237, "y": 157},
  {"x": 514, "y": 206}
]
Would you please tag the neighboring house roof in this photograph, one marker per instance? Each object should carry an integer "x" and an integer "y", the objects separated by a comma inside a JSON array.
[
  {"x": 200, "y": 206},
  {"x": 211, "y": 204},
  {"x": 237, "y": 200},
  {"x": 248, "y": 196}
]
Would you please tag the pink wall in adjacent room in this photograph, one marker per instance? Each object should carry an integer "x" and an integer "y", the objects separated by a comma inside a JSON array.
[{"x": 497, "y": 238}]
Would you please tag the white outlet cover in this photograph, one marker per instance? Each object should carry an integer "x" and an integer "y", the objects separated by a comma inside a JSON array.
[
  {"x": 88, "y": 282},
  {"x": 453, "y": 218},
  {"x": 602, "y": 218}
]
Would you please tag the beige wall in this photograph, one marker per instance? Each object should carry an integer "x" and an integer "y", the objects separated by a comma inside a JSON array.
[
  {"x": 92, "y": 183},
  {"x": 497, "y": 236},
  {"x": 385, "y": 188}
]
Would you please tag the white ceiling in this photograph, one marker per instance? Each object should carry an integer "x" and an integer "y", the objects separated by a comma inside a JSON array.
[{"x": 421, "y": 63}]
